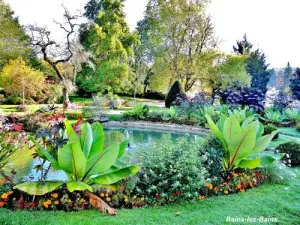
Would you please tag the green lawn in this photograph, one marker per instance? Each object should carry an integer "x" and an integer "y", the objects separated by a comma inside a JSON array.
[{"x": 268, "y": 200}]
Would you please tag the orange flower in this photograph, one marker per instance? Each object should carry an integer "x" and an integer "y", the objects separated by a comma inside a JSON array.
[
  {"x": 216, "y": 189},
  {"x": 54, "y": 195},
  {"x": 239, "y": 186},
  {"x": 102, "y": 194},
  {"x": 1, "y": 204},
  {"x": 1, "y": 182},
  {"x": 209, "y": 186},
  {"x": 46, "y": 205},
  {"x": 106, "y": 195},
  {"x": 201, "y": 197},
  {"x": 242, "y": 190},
  {"x": 56, "y": 202},
  {"x": 226, "y": 192},
  {"x": 49, "y": 202},
  {"x": 4, "y": 196},
  {"x": 108, "y": 199},
  {"x": 9, "y": 193}
]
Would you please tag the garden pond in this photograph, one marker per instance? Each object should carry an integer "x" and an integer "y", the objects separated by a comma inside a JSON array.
[{"x": 24, "y": 164}]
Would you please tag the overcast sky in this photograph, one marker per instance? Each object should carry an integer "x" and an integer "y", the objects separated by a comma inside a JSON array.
[{"x": 271, "y": 25}]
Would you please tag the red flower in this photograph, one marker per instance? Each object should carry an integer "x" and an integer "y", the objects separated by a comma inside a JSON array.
[
  {"x": 158, "y": 196},
  {"x": 19, "y": 206},
  {"x": 242, "y": 185},
  {"x": 17, "y": 127},
  {"x": 82, "y": 205},
  {"x": 26, "y": 206},
  {"x": 21, "y": 201},
  {"x": 32, "y": 204},
  {"x": 178, "y": 193}
]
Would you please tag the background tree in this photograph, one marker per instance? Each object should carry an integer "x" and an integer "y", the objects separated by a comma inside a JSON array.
[
  {"x": 109, "y": 39},
  {"x": 287, "y": 75},
  {"x": 295, "y": 84},
  {"x": 21, "y": 81},
  {"x": 230, "y": 71},
  {"x": 56, "y": 54},
  {"x": 14, "y": 42},
  {"x": 180, "y": 41},
  {"x": 255, "y": 64}
]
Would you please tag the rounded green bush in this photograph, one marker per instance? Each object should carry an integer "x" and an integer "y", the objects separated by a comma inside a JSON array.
[{"x": 292, "y": 151}]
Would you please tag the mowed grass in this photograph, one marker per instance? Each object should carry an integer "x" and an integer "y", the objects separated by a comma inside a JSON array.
[{"x": 268, "y": 200}]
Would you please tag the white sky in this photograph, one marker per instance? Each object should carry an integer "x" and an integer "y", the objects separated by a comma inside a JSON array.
[{"x": 272, "y": 25}]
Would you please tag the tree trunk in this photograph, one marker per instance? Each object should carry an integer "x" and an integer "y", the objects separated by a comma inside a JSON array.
[
  {"x": 66, "y": 99},
  {"x": 99, "y": 204}
]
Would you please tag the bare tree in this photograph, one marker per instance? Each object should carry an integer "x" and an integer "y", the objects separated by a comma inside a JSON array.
[{"x": 56, "y": 53}]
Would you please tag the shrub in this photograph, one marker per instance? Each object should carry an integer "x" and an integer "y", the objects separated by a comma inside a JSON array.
[
  {"x": 139, "y": 111},
  {"x": 22, "y": 108},
  {"x": 278, "y": 173},
  {"x": 268, "y": 129},
  {"x": 212, "y": 155},
  {"x": 170, "y": 171},
  {"x": 175, "y": 91},
  {"x": 33, "y": 122},
  {"x": 292, "y": 150},
  {"x": 298, "y": 127}
]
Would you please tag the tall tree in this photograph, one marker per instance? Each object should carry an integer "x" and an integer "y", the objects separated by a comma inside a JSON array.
[
  {"x": 14, "y": 43},
  {"x": 295, "y": 84},
  {"x": 56, "y": 54},
  {"x": 108, "y": 37},
  {"x": 288, "y": 73},
  {"x": 180, "y": 41},
  {"x": 255, "y": 63}
]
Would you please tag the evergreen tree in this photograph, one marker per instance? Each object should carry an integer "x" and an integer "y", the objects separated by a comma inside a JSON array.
[
  {"x": 255, "y": 64},
  {"x": 108, "y": 38},
  {"x": 295, "y": 84},
  {"x": 288, "y": 73}
]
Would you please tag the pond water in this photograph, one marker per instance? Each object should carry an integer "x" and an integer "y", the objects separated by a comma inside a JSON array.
[{"x": 138, "y": 139}]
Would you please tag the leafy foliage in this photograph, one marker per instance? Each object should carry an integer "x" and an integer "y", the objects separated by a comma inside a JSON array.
[
  {"x": 295, "y": 84},
  {"x": 268, "y": 129},
  {"x": 20, "y": 80},
  {"x": 292, "y": 151},
  {"x": 242, "y": 143},
  {"x": 169, "y": 172},
  {"x": 84, "y": 161},
  {"x": 139, "y": 111}
]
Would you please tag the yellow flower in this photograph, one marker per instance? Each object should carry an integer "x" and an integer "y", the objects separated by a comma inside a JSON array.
[
  {"x": 253, "y": 174},
  {"x": 226, "y": 192},
  {"x": 9, "y": 193},
  {"x": 108, "y": 199},
  {"x": 1, "y": 182},
  {"x": 106, "y": 195},
  {"x": 56, "y": 202},
  {"x": 134, "y": 197},
  {"x": 201, "y": 197},
  {"x": 126, "y": 199},
  {"x": 239, "y": 186},
  {"x": 251, "y": 185},
  {"x": 142, "y": 199},
  {"x": 242, "y": 190},
  {"x": 82, "y": 200},
  {"x": 235, "y": 174},
  {"x": 14, "y": 199},
  {"x": 4, "y": 196},
  {"x": 46, "y": 205},
  {"x": 54, "y": 195},
  {"x": 102, "y": 194},
  {"x": 209, "y": 186}
]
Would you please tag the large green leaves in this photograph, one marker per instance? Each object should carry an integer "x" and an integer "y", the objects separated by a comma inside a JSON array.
[
  {"x": 249, "y": 163},
  {"x": 114, "y": 174},
  {"x": 101, "y": 162},
  {"x": 98, "y": 139},
  {"x": 231, "y": 128},
  {"x": 38, "y": 188},
  {"x": 241, "y": 145},
  {"x": 78, "y": 186},
  {"x": 86, "y": 138},
  {"x": 263, "y": 142},
  {"x": 214, "y": 128},
  {"x": 72, "y": 160}
]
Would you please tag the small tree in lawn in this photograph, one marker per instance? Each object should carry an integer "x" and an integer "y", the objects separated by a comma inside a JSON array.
[
  {"x": 56, "y": 54},
  {"x": 295, "y": 84},
  {"x": 21, "y": 81}
]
